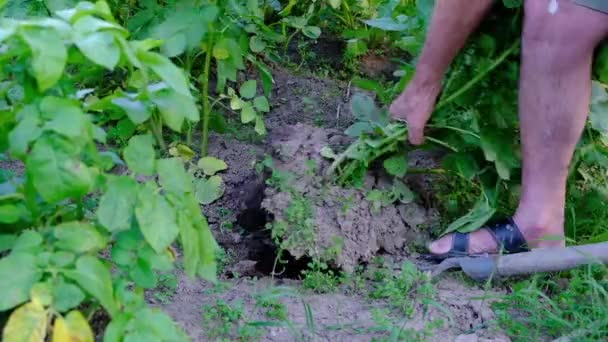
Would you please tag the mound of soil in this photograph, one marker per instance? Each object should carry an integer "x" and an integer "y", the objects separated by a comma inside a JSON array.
[{"x": 341, "y": 218}]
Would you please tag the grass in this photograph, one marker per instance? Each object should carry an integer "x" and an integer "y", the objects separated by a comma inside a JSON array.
[
  {"x": 571, "y": 304},
  {"x": 166, "y": 288},
  {"x": 223, "y": 321}
]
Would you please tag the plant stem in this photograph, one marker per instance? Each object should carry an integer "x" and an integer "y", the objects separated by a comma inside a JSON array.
[
  {"x": 479, "y": 76},
  {"x": 206, "y": 106},
  {"x": 456, "y": 129},
  {"x": 289, "y": 41},
  {"x": 156, "y": 126}
]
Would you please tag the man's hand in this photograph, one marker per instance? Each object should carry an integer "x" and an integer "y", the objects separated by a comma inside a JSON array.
[{"x": 415, "y": 106}]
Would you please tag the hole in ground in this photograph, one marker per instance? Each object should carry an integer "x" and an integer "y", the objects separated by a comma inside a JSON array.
[{"x": 263, "y": 250}]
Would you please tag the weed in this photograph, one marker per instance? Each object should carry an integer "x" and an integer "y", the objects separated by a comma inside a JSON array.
[
  {"x": 167, "y": 285},
  {"x": 574, "y": 307},
  {"x": 220, "y": 320},
  {"x": 274, "y": 308},
  {"x": 225, "y": 216},
  {"x": 320, "y": 278},
  {"x": 402, "y": 289},
  {"x": 397, "y": 331}
]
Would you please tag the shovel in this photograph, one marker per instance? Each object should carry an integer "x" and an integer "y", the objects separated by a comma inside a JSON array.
[{"x": 538, "y": 260}]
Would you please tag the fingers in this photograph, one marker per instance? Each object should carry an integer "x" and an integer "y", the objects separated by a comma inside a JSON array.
[
  {"x": 415, "y": 134},
  {"x": 400, "y": 110}
]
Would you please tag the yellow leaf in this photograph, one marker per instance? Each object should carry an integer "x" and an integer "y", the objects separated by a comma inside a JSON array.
[
  {"x": 26, "y": 324},
  {"x": 74, "y": 328},
  {"x": 60, "y": 331},
  {"x": 220, "y": 52}
]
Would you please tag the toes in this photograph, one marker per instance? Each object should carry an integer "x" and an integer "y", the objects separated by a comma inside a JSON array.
[{"x": 442, "y": 245}]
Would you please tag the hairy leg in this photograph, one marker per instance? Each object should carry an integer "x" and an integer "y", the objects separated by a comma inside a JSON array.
[
  {"x": 553, "y": 106},
  {"x": 451, "y": 24}
]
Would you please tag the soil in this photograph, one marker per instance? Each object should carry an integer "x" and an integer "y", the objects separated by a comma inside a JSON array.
[
  {"x": 298, "y": 128},
  {"x": 309, "y": 113}
]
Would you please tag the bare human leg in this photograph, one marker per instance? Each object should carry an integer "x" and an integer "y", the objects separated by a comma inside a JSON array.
[
  {"x": 553, "y": 104},
  {"x": 451, "y": 24}
]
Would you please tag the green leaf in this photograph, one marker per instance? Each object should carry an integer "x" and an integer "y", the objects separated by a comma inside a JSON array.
[
  {"x": 100, "y": 47},
  {"x": 260, "y": 127},
  {"x": 95, "y": 278},
  {"x": 78, "y": 237},
  {"x": 27, "y": 323},
  {"x": 7, "y": 28},
  {"x": 257, "y": 44},
  {"x": 173, "y": 176},
  {"x": 261, "y": 104},
  {"x": 474, "y": 219},
  {"x": 7, "y": 241},
  {"x": 136, "y": 110},
  {"x": 396, "y": 165},
  {"x": 23, "y": 273},
  {"x": 166, "y": 70},
  {"x": 498, "y": 148},
  {"x": 143, "y": 275},
  {"x": 220, "y": 52},
  {"x": 66, "y": 296},
  {"x": 116, "y": 328},
  {"x": 56, "y": 171},
  {"x": 248, "y": 89},
  {"x": 156, "y": 217},
  {"x": 266, "y": 77},
  {"x": 121, "y": 257},
  {"x": 189, "y": 238},
  {"x": 312, "y": 32},
  {"x": 117, "y": 204},
  {"x": 65, "y": 118},
  {"x": 174, "y": 108},
  {"x": 62, "y": 258},
  {"x": 28, "y": 241},
  {"x": 236, "y": 103},
  {"x": 27, "y": 130},
  {"x": 247, "y": 113},
  {"x": 48, "y": 54},
  {"x": 10, "y": 213},
  {"x": 358, "y": 128},
  {"x": 209, "y": 190},
  {"x": 139, "y": 154},
  {"x": 599, "y": 108},
  {"x": 335, "y": 4},
  {"x": 211, "y": 165},
  {"x": 387, "y": 24},
  {"x": 327, "y": 152},
  {"x": 402, "y": 193},
  {"x": 356, "y": 47},
  {"x": 363, "y": 107},
  {"x": 41, "y": 293},
  {"x": 153, "y": 325},
  {"x": 462, "y": 164},
  {"x": 600, "y": 65}
]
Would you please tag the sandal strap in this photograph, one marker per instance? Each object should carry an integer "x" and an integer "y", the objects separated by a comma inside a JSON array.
[
  {"x": 508, "y": 237},
  {"x": 460, "y": 243}
]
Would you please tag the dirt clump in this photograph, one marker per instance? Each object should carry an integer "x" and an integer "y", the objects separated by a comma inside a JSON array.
[{"x": 318, "y": 219}]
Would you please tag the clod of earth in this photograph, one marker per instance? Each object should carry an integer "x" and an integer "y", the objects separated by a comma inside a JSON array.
[{"x": 325, "y": 221}]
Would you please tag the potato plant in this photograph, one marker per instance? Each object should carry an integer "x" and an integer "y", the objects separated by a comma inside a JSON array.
[{"x": 67, "y": 221}]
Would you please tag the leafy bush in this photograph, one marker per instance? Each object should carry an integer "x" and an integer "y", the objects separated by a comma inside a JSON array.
[{"x": 51, "y": 238}]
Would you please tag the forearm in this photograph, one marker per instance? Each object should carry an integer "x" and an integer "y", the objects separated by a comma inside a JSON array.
[{"x": 451, "y": 24}]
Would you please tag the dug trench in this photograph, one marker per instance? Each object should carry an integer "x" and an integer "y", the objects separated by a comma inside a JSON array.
[{"x": 277, "y": 186}]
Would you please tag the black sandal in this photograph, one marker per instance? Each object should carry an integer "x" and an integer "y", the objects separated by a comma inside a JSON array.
[{"x": 507, "y": 235}]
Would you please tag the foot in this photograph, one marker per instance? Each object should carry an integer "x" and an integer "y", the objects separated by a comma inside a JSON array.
[
  {"x": 416, "y": 103},
  {"x": 482, "y": 242}
]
